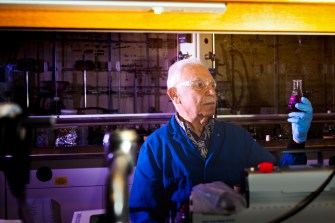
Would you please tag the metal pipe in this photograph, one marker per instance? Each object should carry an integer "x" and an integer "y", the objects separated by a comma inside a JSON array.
[
  {"x": 135, "y": 88},
  {"x": 85, "y": 89},
  {"x": 110, "y": 79},
  {"x": 119, "y": 70},
  {"x": 27, "y": 87},
  {"x": 162, "y": 118},
  {"x": 157, "y": 82},
  {"x": 276, "y": 74},
  {"x": 333, "y": 76},
  {"x": 148, "y": 67},
  {"x": 214, "y": 52},
  {"x": 232, "y": 58}
]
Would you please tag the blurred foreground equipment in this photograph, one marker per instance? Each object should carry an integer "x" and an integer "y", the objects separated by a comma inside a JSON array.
[
  {"x": 15, "y": 136},
  {"x": 120, "y": 147}
]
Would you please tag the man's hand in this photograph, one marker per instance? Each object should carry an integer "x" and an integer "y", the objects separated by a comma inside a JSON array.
[{"x": 301, "y": 121}]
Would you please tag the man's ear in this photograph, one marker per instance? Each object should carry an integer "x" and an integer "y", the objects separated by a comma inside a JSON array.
[{"x": 172, "y": 92}]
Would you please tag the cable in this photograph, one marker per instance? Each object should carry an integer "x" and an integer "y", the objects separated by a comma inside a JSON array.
[{"x": 306, "y": 201}]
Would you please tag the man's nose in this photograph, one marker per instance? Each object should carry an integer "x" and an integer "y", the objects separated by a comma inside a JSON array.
[{"x": 210, "y": 90}]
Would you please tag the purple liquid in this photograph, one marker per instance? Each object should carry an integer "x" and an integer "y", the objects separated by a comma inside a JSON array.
[{"x": 293, "y": 100}]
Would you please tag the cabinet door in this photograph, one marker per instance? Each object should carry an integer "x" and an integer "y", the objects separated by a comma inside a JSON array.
[
  {"x": 70, "y": 199},
  {"x": 73, "y": 189}
]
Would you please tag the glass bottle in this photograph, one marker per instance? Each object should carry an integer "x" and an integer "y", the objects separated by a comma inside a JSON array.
[
  {"x": 56, "y": 106},
  {"x": 295, "y": 95}
]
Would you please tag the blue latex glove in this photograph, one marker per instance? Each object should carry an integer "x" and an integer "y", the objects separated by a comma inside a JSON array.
[
  {"x": 301, "y": 121},
  {"x": 293, "y": 159},
  {"x": 287, "y": 159}
]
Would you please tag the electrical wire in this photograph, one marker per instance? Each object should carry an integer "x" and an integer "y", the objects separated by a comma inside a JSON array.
[{"x": 306, "y": 201}]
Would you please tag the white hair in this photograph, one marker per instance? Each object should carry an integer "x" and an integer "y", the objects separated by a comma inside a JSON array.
[{"x": 175, "y": 70}]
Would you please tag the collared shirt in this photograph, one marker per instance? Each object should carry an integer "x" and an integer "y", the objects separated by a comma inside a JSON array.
[{"x": 201, "y": 142}]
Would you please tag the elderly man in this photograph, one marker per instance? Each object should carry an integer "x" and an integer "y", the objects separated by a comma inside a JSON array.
[{"x": 194, "y": 148}]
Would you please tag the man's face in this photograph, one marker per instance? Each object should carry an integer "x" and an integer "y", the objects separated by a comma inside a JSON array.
[{"x": 199, "y": 99}]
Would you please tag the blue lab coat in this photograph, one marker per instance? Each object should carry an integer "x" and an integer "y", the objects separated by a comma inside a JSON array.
[{"x": 169, "y": 165}]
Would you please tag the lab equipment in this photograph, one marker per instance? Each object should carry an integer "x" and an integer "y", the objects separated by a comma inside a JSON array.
[
  {"x": 295, "y": 95},
  {"x": 120, "y": 152},
  {"x": 272, "y": 195}
]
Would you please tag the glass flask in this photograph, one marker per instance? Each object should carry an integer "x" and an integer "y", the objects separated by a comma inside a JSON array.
[{"x": 295, "y": 95}]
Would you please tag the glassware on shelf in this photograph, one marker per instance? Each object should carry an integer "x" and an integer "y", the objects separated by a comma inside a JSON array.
[
  {"x": 66, "y": 137},
  {"x": 295, "y": 95}
]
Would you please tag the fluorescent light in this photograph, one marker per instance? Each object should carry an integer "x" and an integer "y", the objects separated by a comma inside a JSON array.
[{"x": 157, "y": 7}]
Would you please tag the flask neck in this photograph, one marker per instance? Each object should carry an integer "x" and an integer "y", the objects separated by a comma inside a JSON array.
[{"x": 297, "y": 87}]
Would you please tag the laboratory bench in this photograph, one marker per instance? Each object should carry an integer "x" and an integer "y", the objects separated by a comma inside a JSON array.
[
  {"x": 82, "y": 171},
  {"x": 75, "y": 176}
]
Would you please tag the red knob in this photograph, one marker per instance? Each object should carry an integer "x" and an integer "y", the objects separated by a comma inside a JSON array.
[{"x": 265, "y": 167}]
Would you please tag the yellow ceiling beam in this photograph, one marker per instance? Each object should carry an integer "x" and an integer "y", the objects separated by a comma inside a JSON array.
[{"x": 241, "y": 16}]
